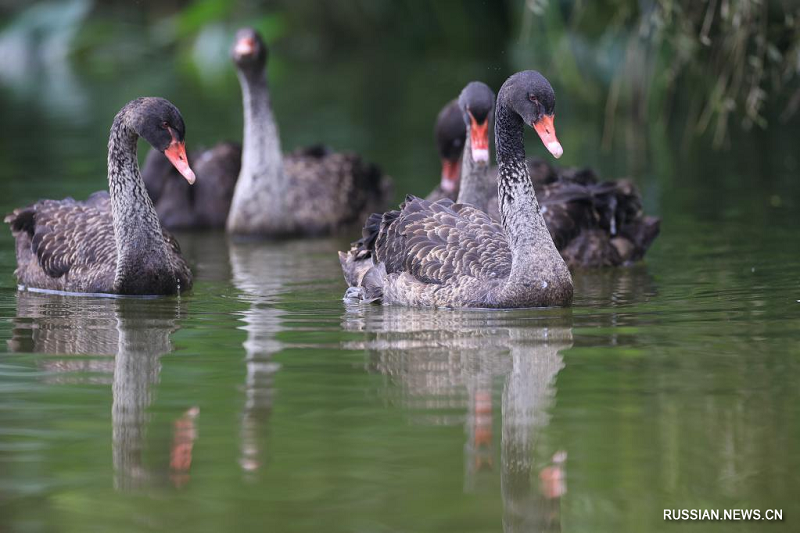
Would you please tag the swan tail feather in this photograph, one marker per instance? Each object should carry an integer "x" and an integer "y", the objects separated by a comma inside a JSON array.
[
  {"x": 354, "y": 267},
  {"x": 642, "y": 233},
  {"x": 373, "y": 283}
]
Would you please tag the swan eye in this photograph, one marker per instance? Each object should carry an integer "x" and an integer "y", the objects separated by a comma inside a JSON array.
[
  {"x": 533, "y": 98},
  {"x": 164, "y": 125}
]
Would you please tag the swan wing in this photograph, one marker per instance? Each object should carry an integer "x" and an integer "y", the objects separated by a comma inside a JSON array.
[
  {"x": 438, "y": 241},
  {"x": 64, "y": 237},
  {"x": 567, "y": 208}
]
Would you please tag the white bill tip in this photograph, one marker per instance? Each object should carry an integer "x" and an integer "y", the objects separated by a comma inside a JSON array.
[
  {"x": 480, "y": 155},
  {"x": 189, "y": 175},
  {"x": 448, "y": 185},
  {"x": 244, "y": 47},
  {"x": 555, "y": 149}
]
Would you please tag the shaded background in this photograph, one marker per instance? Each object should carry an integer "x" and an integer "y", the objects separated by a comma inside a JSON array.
[{"x": 642, "y": 86}]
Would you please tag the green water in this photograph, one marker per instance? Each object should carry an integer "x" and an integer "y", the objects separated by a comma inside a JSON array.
[{"x": 259, "y": 402}]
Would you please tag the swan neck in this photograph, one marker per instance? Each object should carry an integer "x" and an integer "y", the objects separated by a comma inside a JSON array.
[
  {"x": 535, "y": 260},
  {"x": 261, "y": 188},
  {"x": 476, "y": 189},
  {"x": 141, "y": 249}
]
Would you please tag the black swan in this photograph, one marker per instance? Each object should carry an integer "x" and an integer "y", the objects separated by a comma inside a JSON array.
[
  {"x": 109, "y": 243},
  {"x": 476, "y": 106},
  {"x": 449, "y": 135},
  {"x": 593, "y": 224},
  {"x": 441, "y": 254},
  {"x": 204, "y": 205},
  {"x": 308, "y": 192}
]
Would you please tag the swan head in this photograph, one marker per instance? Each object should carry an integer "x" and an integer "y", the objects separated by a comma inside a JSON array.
[
  {"x": 450, "y": 135},
  {"x": 161, "y": 125},
  {"x": 531, "y": 96},
  {"x": 249, "y": 51},
  {"x": 476, "y": 103}
]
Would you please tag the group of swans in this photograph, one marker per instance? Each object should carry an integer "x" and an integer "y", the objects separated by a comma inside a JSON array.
[{"x": 496, "y": 246}]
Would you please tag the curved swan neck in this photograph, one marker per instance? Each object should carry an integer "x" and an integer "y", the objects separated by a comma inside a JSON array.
[
  {"x": 141, "y": 250},
  {"x": 262, "y": 186},
  {"x": 476, "y": 189},
  {"x": 534, "y": 256}
]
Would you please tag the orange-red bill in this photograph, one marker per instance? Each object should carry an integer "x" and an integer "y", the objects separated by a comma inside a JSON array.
[
  {"x": 547, "y": 132},
  {"x": 479, "y": 140},
  {"x": 245, "y": 46},
  {"x": 176, "y": 153},
  {"x": 451, "y": 172}
]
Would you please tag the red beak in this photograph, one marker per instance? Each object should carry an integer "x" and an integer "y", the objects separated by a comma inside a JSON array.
[
  {"x": 176, "y": 153},
  {"x": 245, "y": 46},
  {"x": 547, "y": 132},
  {"x": 451, "y": 172},
  {"x": 479, "y": 140}
]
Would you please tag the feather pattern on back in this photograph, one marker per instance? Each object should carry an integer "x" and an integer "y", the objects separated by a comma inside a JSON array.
[
  {"x": 331, "y": 191},
  {"x": 430, "y": 244},
  {"x": 69, "y": 245},
  {"x": 435, "y": 241}
]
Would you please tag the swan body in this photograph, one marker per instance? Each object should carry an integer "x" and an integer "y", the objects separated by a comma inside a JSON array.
[{"x": 112, "y": 242}]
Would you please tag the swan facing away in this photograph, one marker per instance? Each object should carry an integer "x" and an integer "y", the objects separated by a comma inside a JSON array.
[
  {"x": 449, "y": 135},
  {"x": 308, "y": 192},
  {"x": 112, "y": 242},
  {"x": 441, "y": 254}
]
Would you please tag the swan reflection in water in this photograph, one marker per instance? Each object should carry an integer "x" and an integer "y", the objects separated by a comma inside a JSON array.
[
  {"x": 263, "y": 271},
  {"x": 134, "y": 333},
  {"x": 458, "y": 362}
]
